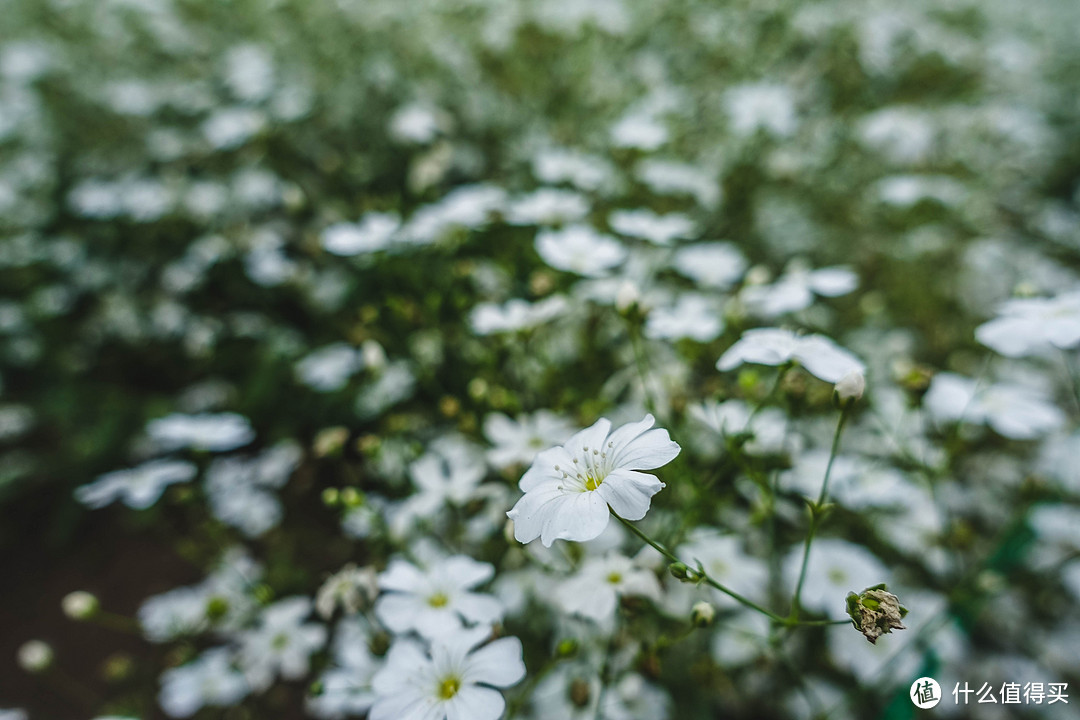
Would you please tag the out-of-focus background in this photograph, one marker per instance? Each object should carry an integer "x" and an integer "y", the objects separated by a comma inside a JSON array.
[{"x": 317, "y": 239}]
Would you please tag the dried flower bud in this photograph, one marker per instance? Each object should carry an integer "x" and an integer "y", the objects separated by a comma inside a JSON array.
[{"x": 875, "y": 612}]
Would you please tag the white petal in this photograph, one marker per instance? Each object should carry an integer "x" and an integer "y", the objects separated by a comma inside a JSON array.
[
  {"x": 1007, "y": 336},
  {"x": 478, "y": 608},
  {"x": 543, "y": 468},
  {"x": 824, "y": 359},
  {"x": 499, "y": 663},
  {"x": 533, "y": 509},
  {"x": 636, "y": 447},
  {"x": 764, "y": 346},
  {"x": 466, "y": 572},
  {"x": 399, "y": 611},
  {"x": 402, "y": 577},
  {"x": 577, "y": 517},
  {"x": 833, "y": 281},
  {"x": 592, "y": 437},
  {"x": 475, "y": 703},
  {"x": 629, "y": 493}
]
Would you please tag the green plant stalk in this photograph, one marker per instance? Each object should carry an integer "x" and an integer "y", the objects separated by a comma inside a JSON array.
[
  {"x": 815, "y": 517},
  {"x": 724, "y": 589}
]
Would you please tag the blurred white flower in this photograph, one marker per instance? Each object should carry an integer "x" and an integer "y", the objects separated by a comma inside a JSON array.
[
  {"x": 515, "y": 314},
  {"x": 903, "y": 135},
  {"x": 547, "y": 206},
  {"x": 761, "y": 106},
  {"x": 1014, "y": 411},
  {"x": 374, "y": 232},
  {"x": 240, "y": 489},
  {"x": 716, "y": 265},
  {"x": 795, "y": 290},
  {"x": 282, "y": 644},
  {"x": 209, "y": 680},
  {"x": 724, "y": 560},
  {"x": 347, "y": 685},
  {"x": 568, "y": 489},
  {"x": 580, "y": 249},
  {"x": 647, "y": 225},
  {"x": 205, "y": 431},
  {"x": 1033, "y": 326},
  {"x": 249, "y": 73},
  {"x": 850, "y": 387},
  {"x": 436, "y": 601},
  {"x": 640, "y": 131},
  {"x": 139, "y": 487},
  {"x": 586, "y": 172},
  {"x": 835, "y": 568},
  {"x": 769, "y": 427},
  {"x": 667, "y": 177},
  {"x": 417, "y": 123},
  {"x": 231, "y": 127},
  {"x": 774, "y": 346},
  {"x": 518, "y": 441},
  {"x": 691, "y": 316},
  {"x": 448, "y": 474},
  {"x": 594, "y": 591},
  {"x": 904, "y": 191},
  {"x": 455, "y": 681},
  {"x": 329, "y": 368},
  {"x": 351, "y": 588}
]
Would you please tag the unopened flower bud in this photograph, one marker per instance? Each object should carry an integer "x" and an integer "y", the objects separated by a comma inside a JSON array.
[
  {"x": 567, "y": 647},
  {"x": 626, "y": 296},
  {"x": 849, "y": 390},
  {"x": 331, "y": 496},
  {"x": 679, "y": 571},
  {"x": 702, "y": 614},
  {"x": 875, "y": 612},
  {"x": 330, "y": 441},
  {"x": 35, "y": 656},
  {"x": 351, "y": 497},
  {"x": 80, "y": 605}
]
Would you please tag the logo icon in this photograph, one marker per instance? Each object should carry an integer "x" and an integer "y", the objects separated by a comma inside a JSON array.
[{"x": 925, "y": 693}]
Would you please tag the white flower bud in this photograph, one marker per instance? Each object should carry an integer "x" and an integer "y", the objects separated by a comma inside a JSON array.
[
  {"x": 373, "y": 355},
  {"x": 35, "y": 656},
  {"x": 702, "y": 614},
  {"x": 626, "y": 296},
  {"x": 79, "y": 605},
  {"x": 850, "y": 388}
]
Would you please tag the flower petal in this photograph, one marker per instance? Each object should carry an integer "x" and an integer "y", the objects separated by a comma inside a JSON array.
[
  {"x": 629, "y": 493},
  {"x": 577, "y": 517},
  {"x": 499, "y": 663},
  {"x": 475, "y": 703},
  {"x": 636, "y": 447},
  {"x": 402, "y": 577}
]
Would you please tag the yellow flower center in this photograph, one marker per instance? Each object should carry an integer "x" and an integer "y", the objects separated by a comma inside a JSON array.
[
  {"x": 438, "y": 600},
  {"x": 614, "y": 578},
  {"x": 591, "y": 483},
  {"x": 449, "y": 687}
]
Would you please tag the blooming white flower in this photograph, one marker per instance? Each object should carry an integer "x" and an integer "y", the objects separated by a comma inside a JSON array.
[
  {"x": 640, "y": 131},
  {"x": 691, "y": 316},
  {"x": 240, "y": 488},
  {"x": 587, "y": 172},
  {"x": 795, "y": 290},
  {"x": 329, "y": 368},
  {"x": 647, "y": 225},
  {"x": 568, "y": 489},
  {"x": 515, "y": 314},
  {"x": 580, "y": 249},
  {"x": 139, "y": 487},
  {"x": 282, "y": 644},
  {"x": 820, "y": 356},
  {"x": 456, "y": 681},
  {"x": 1014, "y": 411},
  {"x": 438, "y": 600},
  {"x": 761, "y": 106},
  {"x": 449, "y": 473},
  {"x": 1031, "y": 326},
  {"x": 518, "y": 441},
  {"x": 211, "y": 680},
  {"x": 374, "y": 232},
  {"x": 547, "y": 206},
  {"x": 347, "y": 686},
  {"x": 667, "y": 177},
  {"x": 594, "y": 591},
  {"x": 716, "y": 265},
  {"x": 215, "y": 433}
]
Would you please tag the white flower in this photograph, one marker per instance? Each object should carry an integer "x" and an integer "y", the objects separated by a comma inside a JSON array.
[
  {"x": 249, "y": 72},
  {"x": 568, "y": 489},
  {"x": 215, "y": 433},
  {"x": 446, "y": 475},
  {"x": 1014, "y": 411},
  {"x": 240, "y": 489},
  {"x": 769, "y": 427},
  {"x": 667, "y": 177},
  {"x": 231, "y": 127},
  {"x": 595, "y": 590},
  {"x": 329, "y": 368},
  {"x": 761, "y": 107},
  {"x": 647, "y": 225},
  {"x": 454, "y": 682},
  {"x": 515, "y": 314},
  {"x": 587, "y": 172},
  {"x": 547, "y": 206},
  {"x": 901, "y": 134},
  {"x": 209, "y": 680},
  {"x": 640, "y": 131},
  {"x": 580, "y": 249},
  {"x": 716, "y": 265},
  {"x": 835, "y": 567},
  {"x": 518, "y": 441},
  {"x": 723, "y": 558},
  {"x": 347, "y": 686},
  {"x": 435, "y": 602},
  {"x": 351, "y": 587},
  {"x": 795, "y": 290},
  {"x": 1031, "y": 326},
  {"x": 139, "y": 487},
  {"x": 417, "y": 123},
  {"x": 282, "y": 644},
  {"x": 374, "y": 232},
  {"x": 820, "y": 356},
  {"x": 850, "y": 387},
  {"x": 905, "y": 191},
  {"x": 691, "y": 316}
]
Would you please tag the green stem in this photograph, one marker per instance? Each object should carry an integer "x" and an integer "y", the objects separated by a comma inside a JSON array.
[
  {"x": 1072, "y": 377},
  {"x": 721, "y": 587},
  {"x": 815, "y": 516},
  {"x": 639, "y": 361}
]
